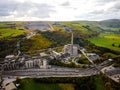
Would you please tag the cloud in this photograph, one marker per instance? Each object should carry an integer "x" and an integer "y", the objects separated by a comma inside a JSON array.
[
  {"x": 102, "y": 9},
  {"x": 108, "y": 8},
  {"x": 4, "y": 13},
  {"x": 25, "y": 9},
  {"x": 104, "y": 1},
  {"x": 115, "y": 7},
  {"x": 6, "y": 7},
  {"x": 65, "y": 10},
  {"x": 34, "y": 10},
  {"x": 65, "y": 3}
]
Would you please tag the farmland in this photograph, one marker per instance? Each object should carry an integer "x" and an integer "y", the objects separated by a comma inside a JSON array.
[
  {"x": 4, "y": 33},
  {"x": 84, "y": 28},
  {"x": 107, "y": 40},
  {"x": 10, "y": 29}
]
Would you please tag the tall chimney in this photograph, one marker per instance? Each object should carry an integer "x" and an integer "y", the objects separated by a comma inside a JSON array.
[
  {"x": 18, "y": 48},
  {"x": 72, "y": 38}
]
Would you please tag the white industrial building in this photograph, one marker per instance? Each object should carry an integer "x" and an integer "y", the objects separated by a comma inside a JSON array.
[
  {"x": 71, "y": 49},
  {"x": 41, "y": 63}
]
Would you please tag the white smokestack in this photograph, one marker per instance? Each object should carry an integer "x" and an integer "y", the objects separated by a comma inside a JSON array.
[{"x": 72, "y": 38}]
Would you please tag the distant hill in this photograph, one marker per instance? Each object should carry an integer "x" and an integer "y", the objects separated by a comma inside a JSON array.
[{"x": 111, "y": 23}]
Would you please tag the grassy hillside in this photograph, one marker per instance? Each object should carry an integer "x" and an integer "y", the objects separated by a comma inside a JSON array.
[
  {"x": 39, "y": 42},
  {"x": 84, "y": 28},
  {"x": 58, "y": 38},
  {"x": 107, "y": 40},
  {"x": 7, "y": 33},
  {"x": 112, "y": 23},
  {"x": 93, "y": 31},
  {"x": 11, "y": 29}
]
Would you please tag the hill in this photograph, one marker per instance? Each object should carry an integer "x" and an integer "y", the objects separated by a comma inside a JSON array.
[
  {"x": 100, "y": 33},
  {"x": 11, "y": 29},
  {"x": 89, "y": 34},
  {"x": 111, "y": 23}
]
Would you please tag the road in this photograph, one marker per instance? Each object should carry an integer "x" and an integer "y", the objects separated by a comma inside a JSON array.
[
  {"x": 52, "y": 72},
  {"x": 55, "y": 71}
]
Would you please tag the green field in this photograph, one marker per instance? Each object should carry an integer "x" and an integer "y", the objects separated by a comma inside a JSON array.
[
  {"x": 11, "y": 29},
  {"x": 82, "y": 27},
  {"x": 107, "y": 40},
  {"x": 10, "y": 32},
  {"x": 30, "y": 84}
]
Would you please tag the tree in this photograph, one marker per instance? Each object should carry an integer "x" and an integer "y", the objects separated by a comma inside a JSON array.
[
  {"x": 119, "y": 45},
  {"x": 113, "y": 44}
]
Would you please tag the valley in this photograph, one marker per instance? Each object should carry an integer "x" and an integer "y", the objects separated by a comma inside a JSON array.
[{"x": 36, "y": 45}]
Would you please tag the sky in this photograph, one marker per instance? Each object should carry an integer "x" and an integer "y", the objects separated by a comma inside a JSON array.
[{"x": 59, "y": 10}]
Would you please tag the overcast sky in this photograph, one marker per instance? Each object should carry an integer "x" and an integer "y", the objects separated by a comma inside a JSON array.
[{"x": 59, "y": 10}]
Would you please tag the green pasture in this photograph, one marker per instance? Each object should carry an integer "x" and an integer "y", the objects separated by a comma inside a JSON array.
[
  {"x": 82, "y": 27},
  {"x": 8, "y": 32},
  {"x": 107, "y": 40},
  {"x": 76, "y": 26}
]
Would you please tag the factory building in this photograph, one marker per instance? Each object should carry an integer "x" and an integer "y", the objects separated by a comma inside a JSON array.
[
  {"x": 41, "y": 63},
  {"x": 72, "y": 48}
]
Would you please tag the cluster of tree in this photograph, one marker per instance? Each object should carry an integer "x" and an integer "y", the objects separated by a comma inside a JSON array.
[
  {"x": 84, "y": 83},
  {"x": 110, "y": 84},
  {"x": 7, "y": 46},
  {"x": 97, "y": 82},
  {"x": 87, "y": 27},
  {"x": 58, "y": 38}
]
